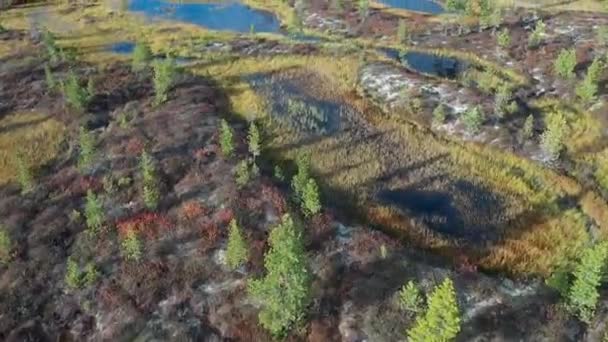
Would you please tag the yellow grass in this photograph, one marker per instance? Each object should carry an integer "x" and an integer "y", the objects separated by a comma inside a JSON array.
[{"x": 37, "y": 136}]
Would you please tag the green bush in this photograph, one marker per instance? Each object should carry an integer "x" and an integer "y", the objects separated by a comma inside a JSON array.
[
  {"x": 91, "y": 274},
  {"x": 150, "y": 186},
  {"x": 87, "y": 144},
  {"x": 73, "y": 277},
  {"x": 583, "y": 295},
  {"x": 560, "y": 281},
  {"x": 588, "y": 88},
  {"x": 363, "y": 7},
  {"x": 226, "y": 139},
  {"x": 502, "y": 101},
  {"x": 528, "y": 128},
  {"x": 504, "y": 38},
  {"x": 131, "y": 246},
  {"x": 536, "y": 37},
  {"x": 237, "y": 252},
  {"x": 142, "y": 56},
  {"x": 441, "y": 321},
  {"x": 278, "y": 173},
  {"x": 601, "y": 174},
  {"x": 76, "y": 96},
  {"x": 164, "y": 76},
  {"x": 552, "y": 139},
  {"x": 93, "y": 213},
  {"x": 5, "y": 245},
  {"x": 565, "y": 63},
  {"x": 455, "y": 5},
  {"x": 242, "y": 173},
  {"x": 311, "y": 202},
  {"x": 299, "y": 181},
  {"x": 472, "y": 119},
  {"x": 285, "y": 291},
  {"x": 53, "y": 51},
  {"x": 587, "y": 91},
  {"x": 51, "y": 84},
  {"x": 439, "y": 114},
  {"x": 409, "y": 297},
  {"x": 595, "y": 70}
]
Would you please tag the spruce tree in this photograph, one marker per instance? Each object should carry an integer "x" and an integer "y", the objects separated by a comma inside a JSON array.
[
  {"x": 583, "y": 294},
  {"x": 131, "y": 245},
  {"x": 87, "y": 148},
  {"x": 300, "y": 180},
  {"x": 93, "y": 212},
  {"x": 441, "y": 321},
  {"x": 528, "y": 129},
  {"x": 311, "y": 202},
  {"x": 164, "y": 77},
  {"x": 552, "y": 139},
  {"x": 254, "y": 140},
  {"x": 409, "y": 297},
  {"x": 226, "y": 139},
  {"x": 285, "y": 290},
  {"x": 142, "y": 56},
  {"x": 150, "y": 186},
  {"x": 565, "y": 63},
  {"x": 237, "y": 253}
]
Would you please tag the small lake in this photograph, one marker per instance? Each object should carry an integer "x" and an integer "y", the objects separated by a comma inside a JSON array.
[
  {"x": 424, "y": 6},
  {"x": 227, "y": 16}
]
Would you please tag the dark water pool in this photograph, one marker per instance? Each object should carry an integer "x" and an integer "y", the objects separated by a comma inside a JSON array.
[
  {"x": 425, "y": 6},
  {"x": 428, "y": 63},
  {"x": 123, "y": 48},
  {"x": 228, "y": 16},
  {"x": 433, "y": 64}
]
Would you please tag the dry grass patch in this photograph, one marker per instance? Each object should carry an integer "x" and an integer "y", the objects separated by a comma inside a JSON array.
[{"x": 37, "y": 136}]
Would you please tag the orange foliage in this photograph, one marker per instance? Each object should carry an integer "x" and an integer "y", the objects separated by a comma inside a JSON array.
[{"x": 145, "y": 224}]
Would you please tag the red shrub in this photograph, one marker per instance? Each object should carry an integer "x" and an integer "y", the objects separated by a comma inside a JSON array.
[
  {"x": 224, "y": 216},
  {"x": 134, "y": 146},
  {"x": 87, "y": 183},
  {"x": 145, "y": 224},
  {"x": 274, "y": 196},
  {"x": 205, "y": 152},
  {"x": 464, "y": 265},
  {"x": 211, "y": 235},
  {"x": 192, "y": 210}
]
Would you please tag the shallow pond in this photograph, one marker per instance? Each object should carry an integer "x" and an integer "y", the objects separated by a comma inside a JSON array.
[
  {"x": 291, "y": 107},
  {"x": 123, "y": 48},
  {"x": 428, "y": 63},
  {"x": 424, "y": 6},
  {"x": 228, "y": 16}
]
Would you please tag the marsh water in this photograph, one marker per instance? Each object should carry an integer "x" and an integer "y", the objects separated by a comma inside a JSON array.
[
  {"x": 225, "y": 16},
  {"x": 424, "y": 6}
]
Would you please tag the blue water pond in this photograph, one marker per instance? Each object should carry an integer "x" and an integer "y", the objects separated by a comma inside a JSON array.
[
  {"x": 123, "y": 48},
  {"x": 228, "y": 16},
  {"x": 424, "y": 6}
]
